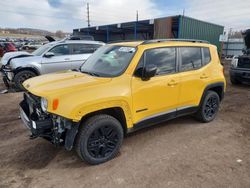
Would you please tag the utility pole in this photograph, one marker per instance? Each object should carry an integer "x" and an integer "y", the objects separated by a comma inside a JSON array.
[
  {"x": 137, "y": 16},
  {"x": 88, "y": 15}
]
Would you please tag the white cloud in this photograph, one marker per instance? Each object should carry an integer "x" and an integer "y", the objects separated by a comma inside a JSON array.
[
  {"x": 230, "y": 13},
  {"x": 72, "y": 14},
  {"x": 114, "y": 11}
]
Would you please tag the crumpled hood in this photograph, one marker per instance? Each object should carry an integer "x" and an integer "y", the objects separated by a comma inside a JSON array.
[
  {"x": 61, "y": 83},
  {"x": 23, "y": 61},
  {"x": 12, "y": 55}
]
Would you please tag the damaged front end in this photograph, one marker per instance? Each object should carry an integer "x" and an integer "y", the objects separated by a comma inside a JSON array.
[
  {"x": 7, "y": 75},
  {"x": 56, "y": 129}
]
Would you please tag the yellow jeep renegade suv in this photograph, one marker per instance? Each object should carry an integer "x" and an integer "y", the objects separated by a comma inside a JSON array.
[{"x": 123, "y": 87}]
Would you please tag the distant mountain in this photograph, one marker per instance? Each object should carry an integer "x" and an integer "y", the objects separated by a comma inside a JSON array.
[
  {"x": 29, "y": 31},
  {"x": 32, "y": 31}
]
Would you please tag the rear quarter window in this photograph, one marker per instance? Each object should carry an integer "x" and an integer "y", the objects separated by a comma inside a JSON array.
[{"x": 207, "y": 56}]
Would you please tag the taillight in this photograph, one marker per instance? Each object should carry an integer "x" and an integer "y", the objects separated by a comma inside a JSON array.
[{"x": 55, "y": 104}]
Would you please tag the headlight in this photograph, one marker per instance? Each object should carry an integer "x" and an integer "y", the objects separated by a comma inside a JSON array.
[
  {"x": 44, "y": 104},
  {"x": 234, "y": 63}
]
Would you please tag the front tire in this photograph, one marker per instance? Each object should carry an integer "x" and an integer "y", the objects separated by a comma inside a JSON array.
[
  {"x": 99, "y": 139},
  {"x": 20, "y": 77},
  {"x": 209, "y": 107}
]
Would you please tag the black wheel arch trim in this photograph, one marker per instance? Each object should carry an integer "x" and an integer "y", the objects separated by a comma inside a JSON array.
[
  {"x": 71, "y": 135},
  {"x": 214, "y": 87},
  {"x": 33, "y": 69}
]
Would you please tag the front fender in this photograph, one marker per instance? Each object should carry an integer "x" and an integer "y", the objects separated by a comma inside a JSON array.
[
  {"x": 29, "y": 62},
  {"x": 82, "y": 111},
  {"x": 32, "y": 68}
]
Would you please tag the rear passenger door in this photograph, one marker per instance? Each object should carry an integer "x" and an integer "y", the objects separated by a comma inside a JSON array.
[
  {"x": 194, "y": 74},
  {"x": 80, "y": 53}
]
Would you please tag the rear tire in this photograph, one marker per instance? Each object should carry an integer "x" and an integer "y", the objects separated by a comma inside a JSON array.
[
  {"x": 20, "y": 77},
  {"x": 99, "y": 139},
  {"x": 209, "y": 107}
]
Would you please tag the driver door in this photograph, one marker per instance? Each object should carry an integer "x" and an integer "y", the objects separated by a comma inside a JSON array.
[
  {"x": 159, "y": 95},
  {"x": 60, "y": 61}
]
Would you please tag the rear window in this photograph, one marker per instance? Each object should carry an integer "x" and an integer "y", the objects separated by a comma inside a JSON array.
[
  {"x": 191, "y": 58},
  {"x": 207, "y": 56},
  {"x": 84, "y": 48}
]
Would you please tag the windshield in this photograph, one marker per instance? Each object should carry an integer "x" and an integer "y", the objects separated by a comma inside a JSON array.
[
  {"x": 108, "y": 61},
  {"x": 41, "y": 50}
]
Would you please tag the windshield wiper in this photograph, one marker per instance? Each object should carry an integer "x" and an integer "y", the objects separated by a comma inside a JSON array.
[{"x": 90, "y": 73}]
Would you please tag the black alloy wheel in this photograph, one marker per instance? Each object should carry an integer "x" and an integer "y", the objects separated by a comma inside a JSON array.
[
  {"x": 209, "y": 107},
  {"x": 99, "y": 139},
  {"x": 102, "y": 141}
]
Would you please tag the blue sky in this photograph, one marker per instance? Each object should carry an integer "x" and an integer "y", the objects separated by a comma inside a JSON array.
[
  {"x": 66, "y": 15},
  {"x": 170, "y": 3},
  {"x": 55, "y": 3}
]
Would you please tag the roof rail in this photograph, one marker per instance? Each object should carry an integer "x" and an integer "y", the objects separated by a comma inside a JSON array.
[
  {"x": 178, "y": 40},
  {"x": 118, "y": 41}
]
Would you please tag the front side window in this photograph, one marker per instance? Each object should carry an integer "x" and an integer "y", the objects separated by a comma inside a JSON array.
[
  {"x": 42, "y": 49},
  {"x": 109, "y": 61},
  {"x": 163, "y": 58},
  {"x": 60, "y": 50},
  {"x": 191, "y": 58}
]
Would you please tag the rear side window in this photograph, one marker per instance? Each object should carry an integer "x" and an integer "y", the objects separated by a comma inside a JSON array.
[
  {"x": 163, "y": 58},
  {"x": 84, "y": 48},
  {"x": 191, "y": 58},
  {"x": 207, "y": 56}
]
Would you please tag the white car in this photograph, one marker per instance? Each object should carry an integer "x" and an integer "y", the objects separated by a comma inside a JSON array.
[{"x": 52, "y": 57}]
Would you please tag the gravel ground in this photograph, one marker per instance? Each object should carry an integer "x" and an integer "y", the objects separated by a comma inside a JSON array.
[{"x": 179, "y": 153}]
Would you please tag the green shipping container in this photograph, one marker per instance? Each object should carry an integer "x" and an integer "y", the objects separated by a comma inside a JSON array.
[{"x": 190, "y": 28}]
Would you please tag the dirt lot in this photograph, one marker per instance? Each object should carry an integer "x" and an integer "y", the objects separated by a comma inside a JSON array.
[{"x": 180, "y": 153}]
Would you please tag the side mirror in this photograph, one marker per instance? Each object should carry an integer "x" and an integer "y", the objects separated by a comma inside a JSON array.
[
  {"x": 49, "y": 54},
  {"x": 149, "y": 71},
  {"x": 146, "y": 73}
]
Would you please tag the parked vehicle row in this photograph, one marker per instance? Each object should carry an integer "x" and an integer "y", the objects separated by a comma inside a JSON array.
[
  {"x": 6, "y": 47},
  {"x": 121, "y": 88},
  {"x": 31, "y": 46},
  {"x": 52, "y": 57}
]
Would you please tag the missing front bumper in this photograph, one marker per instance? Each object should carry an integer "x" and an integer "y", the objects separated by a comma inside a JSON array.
[
  {"x": 7, "y": 76},
  {"x": 37, "y": 127},
  {"x": 55, "y": 129}
]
